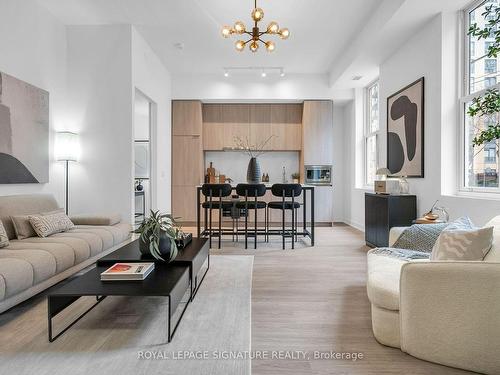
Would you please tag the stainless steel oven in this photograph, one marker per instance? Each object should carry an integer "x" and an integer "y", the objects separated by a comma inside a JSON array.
[{"x": 318, "y": 174}]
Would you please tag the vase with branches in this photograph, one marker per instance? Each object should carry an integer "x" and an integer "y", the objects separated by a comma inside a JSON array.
[{"x": 254, "y": 151}]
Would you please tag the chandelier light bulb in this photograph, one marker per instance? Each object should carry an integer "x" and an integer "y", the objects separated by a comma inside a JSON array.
[
  {"x": 226, "y": 31},
  {"x": 255, "y": 34},
  {"x": 270, "y": 46},
  {"x": 254, "y": 46},
  {"x": 282, "y": 72},
  {"x": 240, "y": 45},
  {"x": 226, "y": 73},
  {"x": 257, "y": 14},
  {"x": 239, "y": 27},
  {"x": 284, "y": 33},
  {"x": 273, "y": 28},
  {"x": 263, "y": 74}
]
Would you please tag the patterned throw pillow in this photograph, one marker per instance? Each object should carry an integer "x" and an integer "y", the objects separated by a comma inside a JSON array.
[
  {"x": 462, "y": 241},
  {"x": 23, "y": 227},
  {"x": 45, "y": 225},
  {"x": 4, "y": 239}
]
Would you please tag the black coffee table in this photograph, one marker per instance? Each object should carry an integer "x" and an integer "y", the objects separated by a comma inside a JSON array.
[
  {"x": 194, "y": 255},
  {"x": 167, "y": 280}
]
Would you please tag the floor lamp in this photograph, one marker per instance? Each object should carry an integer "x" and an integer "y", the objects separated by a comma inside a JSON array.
[{"x": 67, "y": 150}]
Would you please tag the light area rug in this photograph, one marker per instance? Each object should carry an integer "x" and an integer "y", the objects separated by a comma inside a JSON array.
[{"x": 125, "y": 335}]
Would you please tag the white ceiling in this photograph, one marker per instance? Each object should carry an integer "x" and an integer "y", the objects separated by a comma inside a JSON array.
[
  {"x": 344, "y": 38},
  {"x": 319, "y": 29}
]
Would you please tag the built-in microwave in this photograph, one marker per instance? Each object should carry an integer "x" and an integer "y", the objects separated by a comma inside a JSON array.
[{"x": 318, "y": 174}]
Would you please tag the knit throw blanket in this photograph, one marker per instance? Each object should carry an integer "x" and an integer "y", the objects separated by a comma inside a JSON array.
[
  {"x": 419, "y": 237},
  {"x": 402, "y": 254}
]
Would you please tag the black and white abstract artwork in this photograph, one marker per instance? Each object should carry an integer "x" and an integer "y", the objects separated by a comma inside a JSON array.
[
  {"x": 405, "y": 131},
  {"x": 24, "y": 132}
]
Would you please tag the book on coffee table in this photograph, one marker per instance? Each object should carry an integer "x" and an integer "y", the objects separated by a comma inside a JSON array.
[{"x": 127, "y": 271}]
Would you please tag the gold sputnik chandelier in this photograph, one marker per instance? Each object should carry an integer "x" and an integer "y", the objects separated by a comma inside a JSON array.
[{"x": 255, "y": 40}]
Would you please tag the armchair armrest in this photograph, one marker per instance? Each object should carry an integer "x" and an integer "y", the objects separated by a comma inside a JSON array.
[
  {"x": 394, "y": 234},
  {"x": 450, "y": 313},
  {"x": 110, "y": 219}
]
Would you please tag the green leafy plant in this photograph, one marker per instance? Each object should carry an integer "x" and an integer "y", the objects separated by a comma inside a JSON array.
[
  {"x": 152, "y": 228},
  {"x": 295, "y": 176},
  {"x": 489, "y": 103}
]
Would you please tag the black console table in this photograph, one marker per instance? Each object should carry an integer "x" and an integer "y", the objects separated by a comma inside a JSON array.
[{"x": 382, "y": 212}]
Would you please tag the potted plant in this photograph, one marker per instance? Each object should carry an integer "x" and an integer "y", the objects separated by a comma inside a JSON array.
[
  {"x": 488, "y": 104},
  {"x": 158, "y": 234},
  {"x": 295, "y": 177}
]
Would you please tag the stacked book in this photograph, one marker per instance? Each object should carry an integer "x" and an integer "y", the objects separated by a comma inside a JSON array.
[{"x": 127, "y": 271}]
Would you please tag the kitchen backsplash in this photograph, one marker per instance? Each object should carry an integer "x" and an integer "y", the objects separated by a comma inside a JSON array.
[{"x": 234, "y": 164}]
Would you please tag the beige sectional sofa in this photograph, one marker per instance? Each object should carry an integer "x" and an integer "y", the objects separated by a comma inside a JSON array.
[
  {"x": 31, "y": 265},
  {"x": 446, "y": 312}
]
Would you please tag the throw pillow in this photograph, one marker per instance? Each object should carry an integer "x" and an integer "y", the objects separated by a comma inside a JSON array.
[
  {"x": 4, "y": 239},
  {"x": 462, "y": 241},
  {"x": 45, "y": 225},
  {"x": 23, "y": 227}
]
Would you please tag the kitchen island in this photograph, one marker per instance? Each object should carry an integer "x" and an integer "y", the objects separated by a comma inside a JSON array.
[{"x": 306, "y": 230}]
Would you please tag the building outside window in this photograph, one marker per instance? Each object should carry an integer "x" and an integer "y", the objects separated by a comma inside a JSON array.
[
  {"x": 372, "y": 128},
  {"x": 479, "y": 163}
]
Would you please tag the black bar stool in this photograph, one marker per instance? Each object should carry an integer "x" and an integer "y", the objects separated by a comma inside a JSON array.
[
  {"x": 286, "y": 191},
  {"x": 211, "y": 191},
  {"x": 251, "y": 191}
]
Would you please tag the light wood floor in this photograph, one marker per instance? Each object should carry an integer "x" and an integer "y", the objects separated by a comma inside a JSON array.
[{"x": 314, "y": 299}]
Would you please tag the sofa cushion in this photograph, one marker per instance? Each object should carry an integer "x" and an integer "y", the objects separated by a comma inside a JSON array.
[
  {"x": 16, "y": 275},
  {"x": 13, "y": 205},
  {"x": 94, "y": 241},
  {"x": 63, "y": 254},
  {"x": 42, "y": 262},
  {"x": 110, "y": 219},
  {"x": 4, "y": 239},
  {"x": 494, "y": 253},
  {"x": 45, "y": 225},
  {"x": 24, "y": 228},
  {"x": 419, "y": 237},
  {"x": 76, "y": 246},
  {"x": 383, "y": 280},
  {"x": 119, "y": 232}
]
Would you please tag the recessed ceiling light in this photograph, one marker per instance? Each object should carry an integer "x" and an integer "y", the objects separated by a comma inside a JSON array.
[{"x": 357, "y": 78}]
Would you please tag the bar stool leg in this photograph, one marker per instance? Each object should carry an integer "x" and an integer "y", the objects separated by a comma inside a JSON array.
[
  {"x": 220, "y": 223},
  {"x": 246, "y": 228},
  {"x": 296, "y": 224},
  {"x": 283, "y": 226},
  {"x": 255, "y": 227},
  {"x": 293, "y": 227},
  {"x": 210, "y": 229}
]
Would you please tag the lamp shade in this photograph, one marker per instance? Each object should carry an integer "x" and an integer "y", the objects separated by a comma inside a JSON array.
[
  {"x": 67, "y": 147},
  {"x": 383, "y": 172}
]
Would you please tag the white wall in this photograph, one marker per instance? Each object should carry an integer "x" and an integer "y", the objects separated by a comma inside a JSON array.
[
  {"x": 33, "y": 49},
  {"x": 426, "y": 54},
  {"x": 101, "y": 108},
  {"x": 151, "y": 77}
]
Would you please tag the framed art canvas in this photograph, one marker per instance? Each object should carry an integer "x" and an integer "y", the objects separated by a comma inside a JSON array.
[
  {"x": 24, "y": 132},
  {"x": 405, "y": 131}
]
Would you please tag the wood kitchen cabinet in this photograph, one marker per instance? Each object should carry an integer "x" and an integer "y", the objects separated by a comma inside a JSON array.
[
  {"x": 236, "y": 118},
  {"x": 260, "y": 124},
  {"x": 187, "y": 157},
  {"x": 213, "y": 127},
  {"x": 317, "y": 134},
  {"x": 186, "y": 117}
]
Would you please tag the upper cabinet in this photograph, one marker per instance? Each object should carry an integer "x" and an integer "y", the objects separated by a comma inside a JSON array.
[
  {"x": 223, "y": 123},
  {"x": 317, "y": 123},
  {"x": 186, "y": 117}
]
